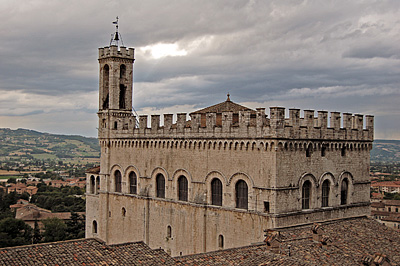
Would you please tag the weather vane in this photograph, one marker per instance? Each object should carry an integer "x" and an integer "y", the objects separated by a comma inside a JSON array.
[{"x": 115, "y": 37}]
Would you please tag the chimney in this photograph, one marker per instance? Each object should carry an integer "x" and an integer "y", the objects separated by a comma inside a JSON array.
[{"x": 273, "y": 241}]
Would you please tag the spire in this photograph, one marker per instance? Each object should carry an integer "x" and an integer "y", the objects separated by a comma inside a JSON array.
[
  {"x": 116, "y": 37},
  {"x": 228, "y": 99}
]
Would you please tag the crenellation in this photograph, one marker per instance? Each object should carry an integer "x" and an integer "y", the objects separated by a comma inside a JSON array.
[
  {"x": 347, "y": 121},
  {"x": 335, "y": 120},
  {"x": 358, "y": 122},
  {"x": 308, "y": 119},
  {"x": 180, "y": 122},
  {"x": 142, "y": 123},
  {"x": 167, "y": 122},
  {"x": 115, "y": 51},
  {"x": 155, "y": 123},
  {"x": 211, "y": 121},
  {"x": 294, "y": 117},
  {"x": 322, "y": 119}
]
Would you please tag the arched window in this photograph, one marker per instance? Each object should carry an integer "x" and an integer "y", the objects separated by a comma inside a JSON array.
[
  {"x": 344, "y": 189},
  {"x": 97, "y": 185},
  {"x": 169, "y": 231},
  {"x": 241, "y": 194},
  {"x": 325, "y": 193},
  {"x": 309, "y": 150},
  {"x": 106, "y": 76},
  {"x": 343, "y": 151},
  {"x": 306, "y": 195},
  {"x": 160, "y": 186},
  {"x": 122, "y": 71},
  {"x": 118, "y": 181},
  {"x": 122, "y": 91},
  {"x": 132, "y": 183},
  {"x": 182, "y": 188},
  {"x": 92, "y": 184},
  {"x": 123, "y": 212},
  {"x": 323, "y": 150},
  {"x": 216, "y": 192},
  {"x": 94, "y": 227},
  {"x": 221, "y": 241}
]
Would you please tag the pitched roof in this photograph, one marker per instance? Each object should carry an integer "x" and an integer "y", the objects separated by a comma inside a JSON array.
[
  {"x": 227, "y": 106},
  {"x": 351, "y": 241},
  {"x": 94, "y": 170},
  {"x": 89, "y": 251}
]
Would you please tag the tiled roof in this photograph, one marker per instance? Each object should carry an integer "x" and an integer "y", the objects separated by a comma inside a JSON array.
[
  {"x": 94, "y": 170},
  {"x": 227, "y": 106},
  {"x": 348, "y": 243},
  {"x": 84, "y": 252},
  {"x": 342, "y": 242}
]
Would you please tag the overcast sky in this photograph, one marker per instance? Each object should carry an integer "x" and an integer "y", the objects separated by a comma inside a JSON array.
[{"x": 322, "y": 55}]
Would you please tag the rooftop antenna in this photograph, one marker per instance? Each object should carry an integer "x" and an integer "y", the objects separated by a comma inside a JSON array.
[{"x": 116, "y": 37}]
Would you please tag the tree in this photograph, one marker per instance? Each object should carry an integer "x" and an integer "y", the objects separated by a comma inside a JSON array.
[
  {"x": 12, "y": 180},
  {"x": 54, "y": 230},
  {"x": 37, "y": 236},
  {"x": 14, "y": 232},
  {"x": 75, "y": 226}
]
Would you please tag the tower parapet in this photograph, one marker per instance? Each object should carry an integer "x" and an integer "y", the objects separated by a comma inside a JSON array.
[{"x": 255, "y": 124}]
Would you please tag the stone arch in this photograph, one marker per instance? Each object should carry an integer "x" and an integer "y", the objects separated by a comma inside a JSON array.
[
  {"x": 213, "y": 174},
  {"x": 116, "y": 167},
  {"x": 241, "y": 175},
  {"x": 159, "y": 170},
  {"x": 326, "y": 175},
  {"x": 307, "y": 176},
  {"x": 180, "y": 172},
  {"x": 132, "y": 168},
  {"x": 345, "y": 174}
]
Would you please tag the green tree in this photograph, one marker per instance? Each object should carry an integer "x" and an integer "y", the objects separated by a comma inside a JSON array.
[
  {"x": 14, "y": 232},
  {"x": 54, "y": 230},
  {"x": 76, "y": 226},
  {"x": 12, "y": 180},
  {"x": 37, "y": 236}
]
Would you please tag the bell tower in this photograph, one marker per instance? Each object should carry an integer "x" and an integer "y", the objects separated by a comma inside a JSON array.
[{"x": 115, "y": 85}]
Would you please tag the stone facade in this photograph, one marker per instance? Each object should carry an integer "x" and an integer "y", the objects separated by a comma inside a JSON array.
[{"x": 220, "y": 178}]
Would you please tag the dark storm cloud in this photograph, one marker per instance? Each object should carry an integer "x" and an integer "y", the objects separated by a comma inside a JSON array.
[{"x": 336, "y": 55}]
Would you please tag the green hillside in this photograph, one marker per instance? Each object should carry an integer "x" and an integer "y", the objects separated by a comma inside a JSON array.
[
  {"x": 24, "y": 143},
  {"x": 386, "y": 151}
]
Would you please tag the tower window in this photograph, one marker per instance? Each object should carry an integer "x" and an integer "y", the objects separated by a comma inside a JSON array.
[
  {"x": 94, "y": 227},
  {"x": 266, "y": 206},
  {"x": 123, "y": 212},
  {"x": 221, "y": 241},
  {"x": 323, "y": 151},
  {"x": 132, "y": 183},
  {"x": 182, "y": 188},
  {"x": 169, "y": 231},
  {"x": 343, "y": 151},
  {"x": 122, "y": 71},
  {"x": 344, "y": 191},
  {"x": 115, "y": 125},
  {"x": 325, "y": 193},
  {"x": 106, "y": 77},
  {"x": 97, "y": 185},
  {"x": 122, "y": 91},
  {"x": 309, "y": 150},
  {"x": 306, "y": 195},
  {"x": 118, "y": 181},
  {"x": 160, "y": 186},
  {"x": 216, "y": 192},
  {"x": 92, "y": 184},
  {"x": 241, "y": 195}
]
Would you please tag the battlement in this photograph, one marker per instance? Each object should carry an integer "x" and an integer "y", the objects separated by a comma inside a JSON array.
[
  {"x": 250, "y": 124},
  {"x": 113, "y": 51}
]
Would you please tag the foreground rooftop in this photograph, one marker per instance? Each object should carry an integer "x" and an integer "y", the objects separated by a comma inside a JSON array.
[{"x": 357, "y": 241}]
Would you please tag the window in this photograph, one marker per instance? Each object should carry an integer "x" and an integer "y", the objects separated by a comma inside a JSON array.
[
  {"x": 122, "y": 71},
  {"x": 343, "y": 151},
  {"x": 325, "y": 193},
  {"x": 97, "y": 185},
  {"x": 123, "y": 212},
  {"x": 323, "y": 150},
  {"x": 94, "y": 227},
  {"x": 118, "y": 181},
  {"x": 221, "y": 241},
  {"x": 169, "y": 231},
  {"x": 92, "y": 184},
  {"x": 309, "y": 150},
  {"x": 182, "y": 188},
  {"x": 306, "y": 195},
  {"x": 106, "y": 74},
  {"x": 132, "y": 183},
  {"x": 122, "y": 92},
  {"x": 390, "y": 209},
  {"x": 115, "y": 125},
  {"x": 160, "y": 186},
  {"x": 241, "y": 194},
  {"x": 216, "y": 192},
  {"x": 344, "y": 191},
  {"x": 397, "y": 209},
  {"x": 266, "y": 206}
]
